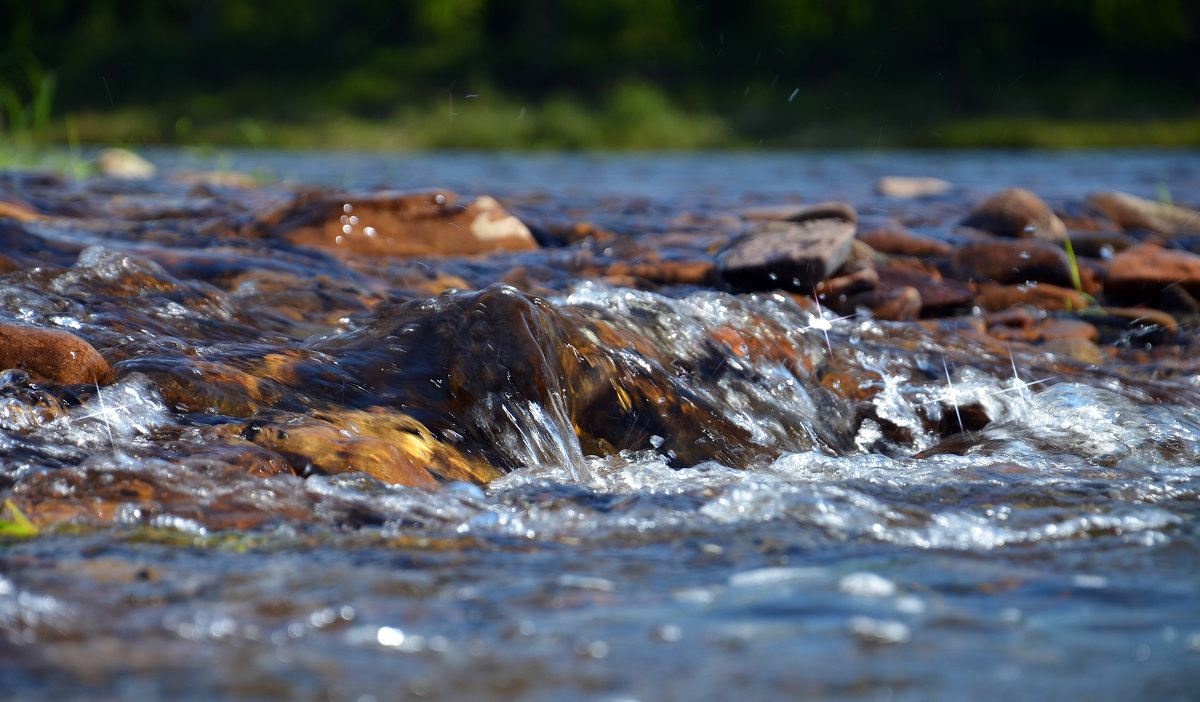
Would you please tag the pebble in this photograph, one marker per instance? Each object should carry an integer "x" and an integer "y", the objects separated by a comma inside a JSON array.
[
  {"x": 1016, "y": 213},
  {"x": 123, "y": 163},
  {"x": 908, "y": 187}
]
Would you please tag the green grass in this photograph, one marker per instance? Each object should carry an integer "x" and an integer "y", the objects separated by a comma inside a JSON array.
[{"x": 632, "y": 115}]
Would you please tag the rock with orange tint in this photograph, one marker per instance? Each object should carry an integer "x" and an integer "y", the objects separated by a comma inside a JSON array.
[
  {"x": 1017, "y": 213},
  {"x": 399, "y": 224},
  {"x": 50, "y": 354},
  {"x": 388, "y": 446},
  {"x": 1145, "y": 270},
  {"x": 1131, "y": 211}
]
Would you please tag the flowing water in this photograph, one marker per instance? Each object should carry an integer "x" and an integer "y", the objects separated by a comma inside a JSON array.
[{"x": 696, "y": 494}]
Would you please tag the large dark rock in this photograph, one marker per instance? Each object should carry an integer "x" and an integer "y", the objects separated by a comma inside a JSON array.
[
  {"x": 790, "y": 256},
  {"x": 1012, "y": 262}
]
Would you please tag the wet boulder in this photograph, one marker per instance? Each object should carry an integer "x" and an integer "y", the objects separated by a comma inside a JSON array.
[
  {"x": 1016, "y": 213},
  {"x": 787, "y": 255},
  {"x": 50, "y": 355},
  {"x": 434, "y": 223},
  {"x": 506, "y": 376}
]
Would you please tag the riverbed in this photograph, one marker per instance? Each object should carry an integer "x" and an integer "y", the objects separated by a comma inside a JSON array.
[{"x": 841, "y": 525}]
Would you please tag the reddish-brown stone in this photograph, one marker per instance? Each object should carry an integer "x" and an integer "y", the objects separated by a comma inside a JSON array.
[
  {"x": 50, "y": 354},
  {"x": 1146, "y": 269},
  {"x": 401, "y": 224}
]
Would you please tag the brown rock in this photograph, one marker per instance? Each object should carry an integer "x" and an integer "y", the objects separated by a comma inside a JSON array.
[
  {"x": 801, "y": 213},
  {"x": 908, "y": 187},
  {"x": 396, "y": 224},
  {"x": 1058, "y": 328},
  {"x": 1132, "y": 211},
  {"x": 937, "y": 295},
  {"x": 1100, "y": 244},
  {"x": 897, "y": 305},
  {"x": 1147, "y": 269},
  {"x": 388, "y": 446},
  {"x": 792, "y": 256},
  {"x": 895, "y": 239},
  {"x": 1135, "y": 317},
  {"x": 1016, "y": 213},
  {"x": 994, "y": 298},
  {"x": 1013, "y": 262},
  {"x": 50, "y": 355},
  {"x": 11, "y": 210},
  {"x": 1082, "y": 350}
]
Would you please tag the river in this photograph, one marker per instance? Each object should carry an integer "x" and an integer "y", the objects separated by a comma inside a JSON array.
[{"x": 1049, "y": 553}]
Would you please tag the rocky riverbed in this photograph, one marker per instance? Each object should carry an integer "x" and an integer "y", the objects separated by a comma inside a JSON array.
[{"x": 948, "y": 369}]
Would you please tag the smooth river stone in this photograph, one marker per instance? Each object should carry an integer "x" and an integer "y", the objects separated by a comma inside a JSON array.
[
  {"x": 401, "y": 224},
  {"x": 1016, "y": 213},
  {"x": 1012, "y": 262},
  {"x": 1132, "y": 211},
  {"x": 787, "y": 255},
  {"x": 907, "y": 187},
  {"x": 50, "y": 355},
  {"x": 1147, "y": 269}
]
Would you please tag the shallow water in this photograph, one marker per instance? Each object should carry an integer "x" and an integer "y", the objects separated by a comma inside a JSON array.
[{"x": 845, "y": 533}]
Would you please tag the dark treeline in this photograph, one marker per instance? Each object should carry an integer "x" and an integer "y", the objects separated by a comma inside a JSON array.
[{"x": 753, "y": 63}]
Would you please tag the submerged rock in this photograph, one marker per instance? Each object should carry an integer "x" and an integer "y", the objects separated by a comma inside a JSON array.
[{"x": 50, "y": 355}]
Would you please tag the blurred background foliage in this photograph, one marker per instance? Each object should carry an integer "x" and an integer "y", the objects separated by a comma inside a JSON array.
[{"x": 585, "y": 73}]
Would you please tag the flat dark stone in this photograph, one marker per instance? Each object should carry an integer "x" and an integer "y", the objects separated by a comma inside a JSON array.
[{"x": 787, "y": 255}]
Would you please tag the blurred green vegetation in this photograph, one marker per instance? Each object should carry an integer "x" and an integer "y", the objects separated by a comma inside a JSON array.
[{"x": 586, "y": 74}]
